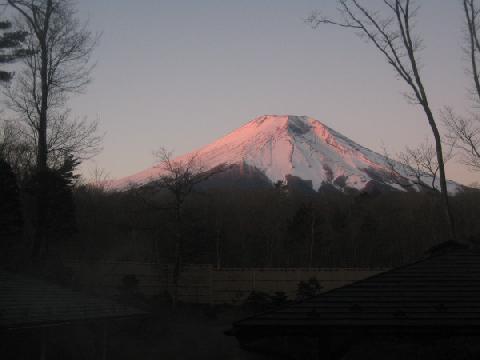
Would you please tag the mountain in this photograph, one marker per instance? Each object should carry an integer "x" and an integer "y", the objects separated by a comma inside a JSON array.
[{"x": 293, "y": 149}]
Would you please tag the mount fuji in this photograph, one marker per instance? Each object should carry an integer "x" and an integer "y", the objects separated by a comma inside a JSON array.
[{"x": 287, "y": 147}]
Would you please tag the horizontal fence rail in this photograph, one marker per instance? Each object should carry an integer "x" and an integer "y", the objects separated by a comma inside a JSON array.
[{"x": 204, "y": 284}]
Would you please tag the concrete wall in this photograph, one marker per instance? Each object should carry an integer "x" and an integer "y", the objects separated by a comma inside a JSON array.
[{"x": 202, "y": 284}]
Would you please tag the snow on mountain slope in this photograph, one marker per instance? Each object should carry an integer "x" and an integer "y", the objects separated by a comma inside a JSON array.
[{"x": 290, "y": 145}]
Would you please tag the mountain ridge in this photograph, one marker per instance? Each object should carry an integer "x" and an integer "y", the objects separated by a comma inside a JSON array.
[{"x": 282, "y": 146}]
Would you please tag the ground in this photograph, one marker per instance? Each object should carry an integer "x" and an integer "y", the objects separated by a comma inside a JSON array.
[{"x": 187, "y": 332}]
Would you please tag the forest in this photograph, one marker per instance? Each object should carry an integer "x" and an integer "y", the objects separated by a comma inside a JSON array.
[
  {"x": 53, "y": 214},
  {"x": 268, "y": 226}
]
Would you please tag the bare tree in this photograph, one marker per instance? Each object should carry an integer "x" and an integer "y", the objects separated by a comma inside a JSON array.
[
  {"x": 99, "y": 179},
  {"x": 179, "y": 178},
  {"x": 463, "y": 131},
  {"x": 313, "y": 221},
  {"x": 391, "y": 30},
  {"x": 58, "y": 65},
  {"x": 15, "y": 150},
  {"x": 78, "y": 137},
  {"x": 471, "y": 10},
  {"x": 66, "y": 137},
  {"x": 417, "y": 166}
]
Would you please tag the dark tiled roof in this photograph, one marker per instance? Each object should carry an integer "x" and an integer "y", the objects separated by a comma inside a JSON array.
[
  {"x": 29, "y": 302},
  {"x": 439, "y": 293}
]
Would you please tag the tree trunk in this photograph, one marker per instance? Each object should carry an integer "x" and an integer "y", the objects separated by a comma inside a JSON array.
[
  {"x": 40, "y": 240},
  {"x": 270, "y": 244},
  {"x": 312, "y": 241},
  {"x": 443, "y": 182},
  {"x": 42, "y": 153},
  {"x": 218, "y": 249},
  {"x": 178, "y": 252}
]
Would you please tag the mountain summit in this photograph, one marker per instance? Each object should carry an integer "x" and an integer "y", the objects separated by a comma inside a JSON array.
[{"x": 284, "y": 147}]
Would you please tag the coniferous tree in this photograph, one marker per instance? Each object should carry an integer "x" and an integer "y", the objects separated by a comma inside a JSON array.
[
  {"x": 11, "y": 219},
  {"x": 58, "y": 221},
  {"x": 11, "y": 47},
  {"x": 58, "y": 65}
]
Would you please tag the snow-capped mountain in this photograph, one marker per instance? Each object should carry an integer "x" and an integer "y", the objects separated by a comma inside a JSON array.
[{"x": 286, "y": 147}]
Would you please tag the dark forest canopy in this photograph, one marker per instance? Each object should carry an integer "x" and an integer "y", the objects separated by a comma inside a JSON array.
[{"x": 269, "y": 226}]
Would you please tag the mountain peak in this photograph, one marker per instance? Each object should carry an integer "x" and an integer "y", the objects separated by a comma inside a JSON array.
[
  {"x": 296, "y": 125},
  {"x": 276, "y": 117},
  {"x": 281, "y": 119},
  {"x": 286, "y": 146}
]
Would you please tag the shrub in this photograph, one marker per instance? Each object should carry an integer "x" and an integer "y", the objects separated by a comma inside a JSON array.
[{"x": 308, "y": 289}]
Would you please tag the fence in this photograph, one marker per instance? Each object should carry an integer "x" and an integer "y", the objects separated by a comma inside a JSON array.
[{"x": 203, "y": 284}]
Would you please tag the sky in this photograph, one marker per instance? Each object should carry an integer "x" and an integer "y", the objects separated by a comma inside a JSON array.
[{"x": 179, "y": 74}]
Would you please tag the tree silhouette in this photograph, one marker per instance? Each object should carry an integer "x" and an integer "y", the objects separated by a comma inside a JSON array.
[
  {"x": 179, "y": 178},
  {"x": 57, "y": 66},
  {"x": 11, "y": 47},
  {"x": 11, "y": 219},
  {"x": 390, "y": 28}
]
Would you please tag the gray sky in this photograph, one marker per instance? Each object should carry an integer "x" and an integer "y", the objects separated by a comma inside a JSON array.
[{"x": 180, "y": 74}]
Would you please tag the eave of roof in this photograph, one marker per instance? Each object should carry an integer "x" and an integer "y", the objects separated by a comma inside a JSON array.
[
  {"x": 438, "y": 294},
  {"x": 28, "y": 302}
]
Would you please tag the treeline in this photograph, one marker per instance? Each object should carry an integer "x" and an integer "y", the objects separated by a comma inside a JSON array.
[
  {"x": 229, "y": 226},
  {"x": 19, "y": 221},
  {"x": 275, "y": 226},
  {"x": 41, "y": 141}
]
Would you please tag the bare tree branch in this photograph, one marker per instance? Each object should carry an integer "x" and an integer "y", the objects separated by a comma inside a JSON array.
[
  {"x": 58, "y": 65},
  {"x": 463, "y": 134},
  {"x": 463, "y": 131},
  {"x": 179, "y": 177},
  {"x": 391, "y": 30}
]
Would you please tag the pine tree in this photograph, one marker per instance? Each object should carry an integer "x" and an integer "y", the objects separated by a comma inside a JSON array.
[
  {"x": 11, "y": 220},
  {"x": 58, "y": 220},
  {"x": 11, "y": 47}
]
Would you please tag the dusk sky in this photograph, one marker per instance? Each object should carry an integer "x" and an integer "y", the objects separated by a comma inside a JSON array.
[{"x": 180, "y": 74}]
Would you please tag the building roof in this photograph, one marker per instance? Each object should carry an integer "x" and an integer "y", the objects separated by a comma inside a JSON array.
[
  {"x": 436, "y": 294},
  {"x": 30, "y": 302}
]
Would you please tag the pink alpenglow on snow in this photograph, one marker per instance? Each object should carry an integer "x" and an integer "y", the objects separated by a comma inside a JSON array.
[{"x": 284, "y": 145}]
